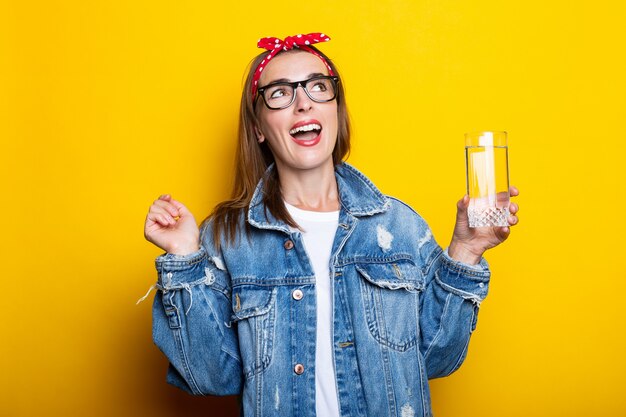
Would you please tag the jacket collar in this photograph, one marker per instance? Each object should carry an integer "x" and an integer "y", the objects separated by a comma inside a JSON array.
[{"x": 358, "y": 197}]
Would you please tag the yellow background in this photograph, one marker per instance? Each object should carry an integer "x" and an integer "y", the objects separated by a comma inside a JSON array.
[{"x": 106, "y": 105}]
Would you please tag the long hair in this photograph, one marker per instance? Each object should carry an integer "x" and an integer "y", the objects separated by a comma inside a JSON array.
[{"x": 252, "y": 160}]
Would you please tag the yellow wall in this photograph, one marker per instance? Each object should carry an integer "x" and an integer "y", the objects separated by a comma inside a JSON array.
[{"x": 105, "y": 105}]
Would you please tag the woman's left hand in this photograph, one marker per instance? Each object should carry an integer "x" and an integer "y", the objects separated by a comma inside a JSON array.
[{"x": 468, "y": 244}]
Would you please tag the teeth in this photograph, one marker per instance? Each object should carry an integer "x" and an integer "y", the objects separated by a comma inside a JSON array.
[{"x": 305, "y": 128}]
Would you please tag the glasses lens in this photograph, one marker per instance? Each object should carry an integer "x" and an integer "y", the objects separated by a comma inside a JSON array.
[
  {"x": 321, "y": 89},
  {"x": 278, "y": 95}
]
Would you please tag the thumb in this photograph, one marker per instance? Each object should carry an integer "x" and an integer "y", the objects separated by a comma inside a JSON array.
[
  {"x": 461, "y": 207},
  {"x": 462, "y": 220},
  {"x": 463, "y": 203}
]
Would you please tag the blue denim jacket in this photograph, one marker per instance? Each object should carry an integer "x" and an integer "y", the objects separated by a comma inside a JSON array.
[{"x": 403, "y": 311}]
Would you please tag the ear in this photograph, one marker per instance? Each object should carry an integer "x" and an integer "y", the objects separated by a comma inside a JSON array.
[{"x": 259, "y": 135}]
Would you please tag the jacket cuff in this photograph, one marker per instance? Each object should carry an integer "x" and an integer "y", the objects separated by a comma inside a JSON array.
[
  {"x": 181, "y": 271},
  {"x": 468, "y": 281}
]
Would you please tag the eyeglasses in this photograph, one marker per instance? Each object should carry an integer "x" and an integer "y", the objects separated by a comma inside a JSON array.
[{"x": 281, "y": 95}]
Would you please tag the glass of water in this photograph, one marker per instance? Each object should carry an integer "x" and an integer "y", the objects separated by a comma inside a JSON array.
[{"x": 487, "y": 173}]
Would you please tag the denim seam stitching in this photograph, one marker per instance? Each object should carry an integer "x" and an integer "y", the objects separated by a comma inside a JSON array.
[
  {"x": 421, "y": 364},
  {"x": 342, "y": 262},
  {"x": 463, "y": 354},
  {"x": 375, "y": 320},
  {"x": 458, "y": 267},
  {"x": 474, "y": 298},
  {"x": 440, "y": 329},
  {"x": 271, "y": 282},
  {"x": 181, "y": 286},
  {"x": 170, "y": 261},
  {"x": 181, "y": 350},
  {"x": 435, "y": 257}
]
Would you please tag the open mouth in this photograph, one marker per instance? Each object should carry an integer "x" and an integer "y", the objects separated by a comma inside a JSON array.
[{"x": 306, "y": 133}]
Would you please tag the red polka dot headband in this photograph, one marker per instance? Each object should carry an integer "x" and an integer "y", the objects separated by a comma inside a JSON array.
[{"x": 275, "y": 45}]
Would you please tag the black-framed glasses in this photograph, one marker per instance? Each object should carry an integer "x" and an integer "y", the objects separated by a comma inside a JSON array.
[{"x": 280, "y": 95}]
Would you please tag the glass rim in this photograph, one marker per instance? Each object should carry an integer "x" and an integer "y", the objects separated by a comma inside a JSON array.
[
  {"x": 495, "y": 138},
  {"x": 477, "y": 132}
]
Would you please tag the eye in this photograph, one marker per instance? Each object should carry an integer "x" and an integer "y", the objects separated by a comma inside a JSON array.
[
  {"x": 319, "y": 85},
  {"x": 278, "y": 92}
]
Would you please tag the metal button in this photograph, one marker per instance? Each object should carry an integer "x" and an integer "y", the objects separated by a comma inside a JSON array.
[
  {"x": 299, "y": 369},
  {"x": 288, "y": 245},
  {"x": 297, "y": 295}
]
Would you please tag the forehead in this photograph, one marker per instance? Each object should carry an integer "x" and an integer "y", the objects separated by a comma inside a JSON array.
[{"x": 293, "y": 66}]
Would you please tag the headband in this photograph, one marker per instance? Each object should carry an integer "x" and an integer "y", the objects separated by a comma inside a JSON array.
[{"x": 275, "y": 45}]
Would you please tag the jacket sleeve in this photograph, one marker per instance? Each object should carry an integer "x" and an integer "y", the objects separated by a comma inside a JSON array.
[
  {"x": 191, "y": 324},
  {"x": 448, "y": 308}
]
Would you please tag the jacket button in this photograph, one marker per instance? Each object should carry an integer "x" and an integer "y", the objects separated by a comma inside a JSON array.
[
  {"x": 299, "y": 369},
  {"x": 288, "y": 245},
  {"x": 297, "y": 295}
]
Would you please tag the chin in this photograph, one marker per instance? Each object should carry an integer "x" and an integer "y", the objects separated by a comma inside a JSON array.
[{"x": 312, "y": 163}]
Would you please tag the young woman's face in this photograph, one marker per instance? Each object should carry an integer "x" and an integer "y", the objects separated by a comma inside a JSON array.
[{"x": 303, "y": 135}]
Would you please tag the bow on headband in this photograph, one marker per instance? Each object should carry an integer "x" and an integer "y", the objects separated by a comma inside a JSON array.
[{"x": 275, "y": 45}]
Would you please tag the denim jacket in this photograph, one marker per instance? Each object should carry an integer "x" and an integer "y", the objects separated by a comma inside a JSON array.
[{"x": 243, "y": 320}]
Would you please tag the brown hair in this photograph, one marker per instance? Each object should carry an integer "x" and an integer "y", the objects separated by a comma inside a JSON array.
[{"x": 252, "y": 160}]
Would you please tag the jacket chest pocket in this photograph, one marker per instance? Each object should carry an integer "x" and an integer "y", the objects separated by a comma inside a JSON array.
[
  {"x": 254, "y": 312},
  {"x": 391, "y": 293}
]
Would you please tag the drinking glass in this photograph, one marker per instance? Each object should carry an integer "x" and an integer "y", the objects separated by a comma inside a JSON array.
[{"x": 487, "y": 174}]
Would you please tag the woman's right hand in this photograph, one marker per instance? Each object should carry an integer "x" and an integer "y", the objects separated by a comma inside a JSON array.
[{"x": 171, "y": 227}]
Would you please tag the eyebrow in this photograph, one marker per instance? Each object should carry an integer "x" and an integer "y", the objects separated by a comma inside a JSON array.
[{"x": 287, "y": 80}]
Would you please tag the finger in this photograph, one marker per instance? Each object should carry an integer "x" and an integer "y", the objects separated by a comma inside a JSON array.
[
  {"x": 165, "y": 220},
  {"x": 167, "y": 206},
  {"x": 513, "y": 191},
  {"x": 182, "y": 209},
  {"x": 502, "y": 197},
  {"x": 162, "y": 213},
  {"x": 513, "y": 208},
  {"x": 151, "y": 220},
  {"x": 461, "y": 210},
  {"x": 168, "y": 211},
  {"x": 463, "y": 203},
  {"x": 165, "y": 197},
  {"x": 502, "y": 233},
  {"x": 162, "y": 218},
  {"x": 513, "y": 220}
]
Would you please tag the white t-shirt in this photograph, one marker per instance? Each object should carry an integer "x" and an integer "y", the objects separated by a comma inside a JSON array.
[{"x": 318, "y": 235}]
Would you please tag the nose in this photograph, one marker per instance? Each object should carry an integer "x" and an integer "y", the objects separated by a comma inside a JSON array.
[{"x": 302, "y": 102}]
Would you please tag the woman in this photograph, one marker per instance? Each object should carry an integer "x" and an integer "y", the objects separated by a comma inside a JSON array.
[{"x": 310, "y": 292}]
